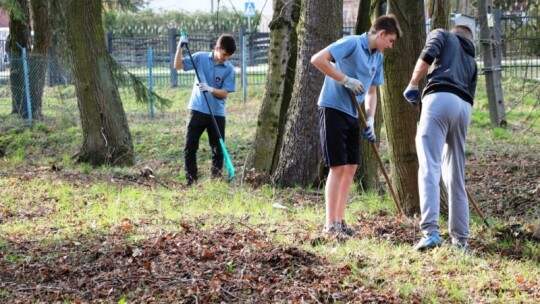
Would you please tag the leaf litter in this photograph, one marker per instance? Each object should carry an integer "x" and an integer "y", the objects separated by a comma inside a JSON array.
[{"x": 188, "y": 266}]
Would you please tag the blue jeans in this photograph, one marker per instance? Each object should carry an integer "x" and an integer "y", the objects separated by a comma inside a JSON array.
[{"x": 197, "y": 122}]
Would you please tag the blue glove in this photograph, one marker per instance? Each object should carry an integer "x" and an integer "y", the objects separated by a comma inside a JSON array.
[
  {"x": 184, "y": 40},
  {"x": 369, "y": 131},
  {"x": 412, "y": 94}
]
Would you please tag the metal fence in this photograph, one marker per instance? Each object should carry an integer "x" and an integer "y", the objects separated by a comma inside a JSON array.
[
  {"x": 132, "y": 53},
  {"x": 151, "y": 58},
  {"x": 520, "y": 46}
]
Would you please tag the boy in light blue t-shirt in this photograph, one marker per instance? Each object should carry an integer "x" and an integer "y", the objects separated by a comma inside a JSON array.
[
  {"x": 352, "y": 63},
  {"x": 217, "y": 80}
]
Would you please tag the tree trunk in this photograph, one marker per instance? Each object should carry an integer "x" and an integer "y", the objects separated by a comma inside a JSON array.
[
  {"x": 366, "y": 176},
  {"x": 38, "y": 59},
  {"x": 400, "y": 119},
  {"x": 463, "y": 7},
  {"x": 363, "y": 17},
  {"x": 321, "y": 23},
  {"x": 19, "y": 32},
  {"x": 106, "y": 136},
  {"x": 58, "y": 56},
  {"x": 439, "y": 12},
  {"x": 278, "y": 89}
]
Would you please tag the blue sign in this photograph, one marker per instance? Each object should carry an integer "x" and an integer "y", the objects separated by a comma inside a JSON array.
[{"x": 249, "y": 10}]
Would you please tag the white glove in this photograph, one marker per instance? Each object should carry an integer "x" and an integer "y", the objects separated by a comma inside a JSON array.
[
  {"x": 369, "y": 131},
  {"x": 354, "y": 84},
  {"x": 205, "y": 88},
  {"x": 184, "y": 40}
]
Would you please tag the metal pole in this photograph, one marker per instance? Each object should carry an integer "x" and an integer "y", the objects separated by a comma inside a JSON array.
[
  {"x": 26, "y": 84},
  {"x": 172, "y": 52},
  {"x": 151, "y": 81},
  {"x": 244, "y": 67},
  {"x": 492, "y": 62}
]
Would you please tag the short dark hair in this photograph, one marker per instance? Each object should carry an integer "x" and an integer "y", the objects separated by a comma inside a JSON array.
[
  {"x": 388, "y": 23},
  {"x": 227, "y": 43},
  {"x": 464, "y": 31}
]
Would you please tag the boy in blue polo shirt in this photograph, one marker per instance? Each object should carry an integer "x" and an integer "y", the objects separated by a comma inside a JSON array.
[
  {"x": 351, "y": 63},
  {"x": 218, "y": 78}
]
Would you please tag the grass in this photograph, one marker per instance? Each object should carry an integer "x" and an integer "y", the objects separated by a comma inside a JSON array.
[{"x": 46, "y": 198}]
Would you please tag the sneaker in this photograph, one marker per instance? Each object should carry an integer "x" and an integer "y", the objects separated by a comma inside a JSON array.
[
  {"x": 429, "y": 242},
  {"x": 216, "y": 173},
  {"x": 334, "y": 229},
  {"x": 190, "y": 182},
  {"x": 347, "y": 229},
  {"x": 461, "y": 247}
]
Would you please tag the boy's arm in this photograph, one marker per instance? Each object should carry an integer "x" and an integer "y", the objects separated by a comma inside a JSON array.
[
  {"x": 371, "y": 102},
  {"x": 420, "y": 71},
  {"x": 219, "y": 93},
  {"x": 228, "y": 83},
  {"x": 178, "y": 64},
  {"x": 323, "y": 61}
]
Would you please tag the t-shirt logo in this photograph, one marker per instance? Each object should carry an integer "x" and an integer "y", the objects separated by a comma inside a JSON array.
[{"x": 217, "y": 79}]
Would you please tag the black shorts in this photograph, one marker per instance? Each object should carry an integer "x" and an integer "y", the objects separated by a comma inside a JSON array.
[{"x": 340, "y": 137}]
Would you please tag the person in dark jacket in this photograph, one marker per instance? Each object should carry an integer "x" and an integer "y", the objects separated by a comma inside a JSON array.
[{"x": 448, "y": 59}]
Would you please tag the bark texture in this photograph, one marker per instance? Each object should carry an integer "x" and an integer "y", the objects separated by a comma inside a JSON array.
[
  {"x": 106, "y": 135},
  {"x": 278, "y": 88},
  {"x": 400, "y": 118},
  {"x": 300, "y": 155}
]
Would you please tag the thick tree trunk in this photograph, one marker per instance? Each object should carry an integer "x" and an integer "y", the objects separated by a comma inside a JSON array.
[
  {"x": 363, "y": 17},
  {"x": 106, "y": 136},
  {"x": 439, "y": 12},
  {"x": 400, "y": 119},
  {"x": 300, "y": 156},
  {"x": 19, "y": 31},
  {"x": 366, "y": 176},
  {"x": 463, "y": 7},
  {"x": 38, "y": 59},
  {"x": 58, "y": 56},
  {"x": 278, "y": 88}
]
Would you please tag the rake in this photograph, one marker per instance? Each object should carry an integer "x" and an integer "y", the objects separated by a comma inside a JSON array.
[{"x": 363, "y": 123}]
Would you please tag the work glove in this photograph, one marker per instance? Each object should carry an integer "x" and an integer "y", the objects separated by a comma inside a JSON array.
[
  {"x": 369, "y": 131},
  {"x": 184, "y": 40},
  {"x": 412, "y": 94},
  {"x": 205, "y": 87},
  {"x": 354, "y": 84}
]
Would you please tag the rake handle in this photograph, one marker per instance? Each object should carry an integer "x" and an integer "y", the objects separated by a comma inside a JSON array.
[{"x": 362, "y": 120}]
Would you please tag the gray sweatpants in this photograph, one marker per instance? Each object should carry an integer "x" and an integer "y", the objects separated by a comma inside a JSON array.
[{"x": 440, "y": 142}]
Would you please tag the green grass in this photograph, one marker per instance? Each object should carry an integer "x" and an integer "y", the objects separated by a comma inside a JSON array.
[{"x": 39, "y": 204}]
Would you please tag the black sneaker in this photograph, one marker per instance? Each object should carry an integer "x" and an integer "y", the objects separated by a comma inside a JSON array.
[{"x": 190, "y": 182}]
